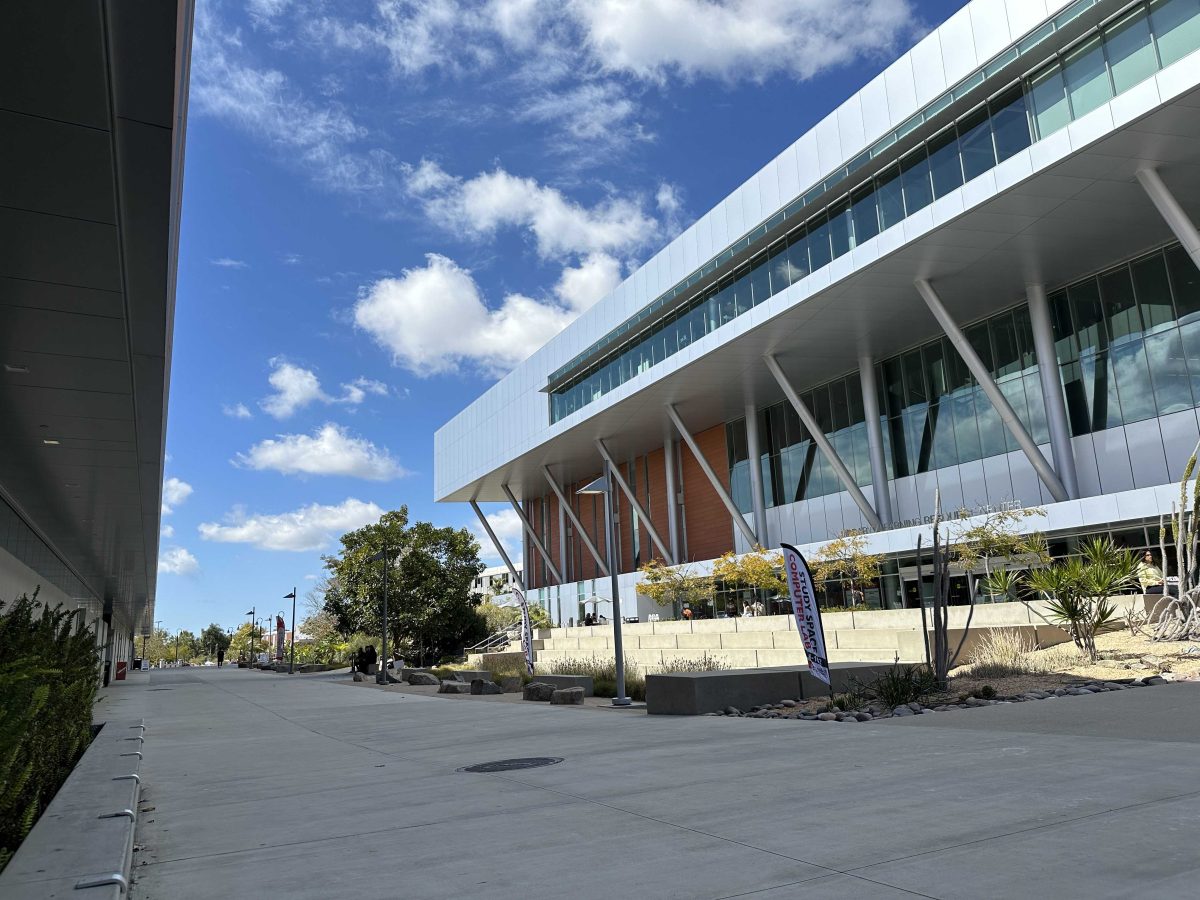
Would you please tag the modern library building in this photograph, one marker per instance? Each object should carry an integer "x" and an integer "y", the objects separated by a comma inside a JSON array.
[{"x": 975, "y": 279}]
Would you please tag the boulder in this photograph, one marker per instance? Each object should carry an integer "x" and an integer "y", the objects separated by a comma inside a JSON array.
[
  {"x": 450, "y": 686},
  {"x": 572, "y": 696},
  {"x": 537, "y": 690},
  {"x": 422, "y": 678},
  {"x": 511, "y": 684},
  {"x": 358, "y": 676},
  {"x": 482, "y": 686}
]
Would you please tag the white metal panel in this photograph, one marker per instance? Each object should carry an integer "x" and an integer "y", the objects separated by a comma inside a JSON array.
[
  {"x": 691, "y": 254},
  {"x": 959, "y": 58},
  {"x": 770, "y": 197},
  {"x": 989, "y": 27},
  {"x": 1146, "y": 455},
  {"x": 788, "y": 172},
  {"x": 829, "y": 145},
  {"x": 1179, "y": 437},
  {"x": 753, "y": 210},
  {"x": 929, "y": 73},
  {"x": 1112, "y": 460},
  {"x": 901, "y": 83},
  {"x": 1024, "y": 16},
  {"x": 974, "y": 488},
  {"x": 877, "y": 120},
  {"x": 1086, "y": 471},
  {"x": 851, "y": 132},
  {"x": 808, "y": 162}
]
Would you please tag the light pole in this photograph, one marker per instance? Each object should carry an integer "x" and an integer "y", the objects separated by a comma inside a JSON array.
[
  {"x": 253, "y": 610},
  {"x": 177, "y": 634},
  {"x": 381, "y": 676},
  {"x": 603, "y": 486},
  {"x": 292, "y": 660}
]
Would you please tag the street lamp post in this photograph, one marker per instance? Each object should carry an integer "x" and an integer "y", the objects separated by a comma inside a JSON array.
[
  {"x": 292, "y": 660},
  {"x": 603, "y": 486},
  {"x": 253, "y": 610},
  {"x": 177, "y": 634}
]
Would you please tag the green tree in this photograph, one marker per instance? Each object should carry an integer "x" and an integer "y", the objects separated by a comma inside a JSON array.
[
  {"x": 759, "y": 569},
  {"x": 997, "y": 538},
  {"x": 846, "y": 559},
  {"x": 241, "y": 643},
  {"x": 499, "y": 618},
  {"x": 431, "y": 611},
  {"x": 675, "y": 586},
  {"x": 213, "y": 640}
]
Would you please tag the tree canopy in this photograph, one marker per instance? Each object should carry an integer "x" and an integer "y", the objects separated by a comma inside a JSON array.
[
  {"x": 431, "y": 610},
  {"x": 213, "y": 639}
]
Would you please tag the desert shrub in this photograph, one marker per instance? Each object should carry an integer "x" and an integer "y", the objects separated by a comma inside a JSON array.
[
  {"x": 603, "y": 673},
  {"x": 900, "y": 685},
  {"x": 1002, "y": 652},
  {"x": 48, "y": 679},
  {"x": 705, "y": 663}
]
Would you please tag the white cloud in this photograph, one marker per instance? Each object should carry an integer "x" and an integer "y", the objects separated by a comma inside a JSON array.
[
  {"x": 313, "y": 527},
  {"x": 292, "y": 259},
  {"x": 507, "y": 526},
  {"x": 177, "y": 561},
  {"x": 331, "y": 450},
  {"x": 739, "y": 39},
  {"x": 581, "y": 286},
  {"x": 356, "y": 391},
  {"x": 226, "y": 263},
  {"x": 168, "y": 531},
  {"x": 434, "y": 319},
  {"x": 560, "y": 227},
  {"x": 174, "y": 493},
  {"x": 295, "y": 388},
  {"x": 597, "y": 119},
  {"x": 237, "y": 411}
]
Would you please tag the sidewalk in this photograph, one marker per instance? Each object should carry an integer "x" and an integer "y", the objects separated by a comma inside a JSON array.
[{"x": 304, "y": 787}]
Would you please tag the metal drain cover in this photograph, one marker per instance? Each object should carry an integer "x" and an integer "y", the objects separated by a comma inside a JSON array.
[{"x": 510, "y": 765}]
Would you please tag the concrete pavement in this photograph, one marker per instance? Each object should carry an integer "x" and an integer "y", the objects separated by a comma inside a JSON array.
[{"x": 304, "y": 787}]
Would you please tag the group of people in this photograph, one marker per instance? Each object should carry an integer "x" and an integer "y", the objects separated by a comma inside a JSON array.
[
  {"x": 364, "y": 659},
  {"x": 594, "y": 619}
]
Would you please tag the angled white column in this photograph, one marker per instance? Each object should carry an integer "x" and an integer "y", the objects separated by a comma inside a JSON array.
[
  {"x": 562, "y": 539},
  {"x": 734, "y": 513},
  {"x": 758, "y": 496},
  {"x": 565, "y": 506},
  {"x": 533, "y": 536},
  {"x": 822, "y": 442},
  {"x": 633, "y": 501},
  {"x": 670, "y": 464},
  {"x": 1052, "y": 390},
  {"x": 487, "y": 526},
  {"x": 1168, "y": 207},
  {"x": 1007, "y": 414},
  {"x": 879, "y": 476}
]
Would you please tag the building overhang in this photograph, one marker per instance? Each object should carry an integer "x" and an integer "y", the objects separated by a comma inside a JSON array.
[
  {"x": 1067, "y": 206},
  {"x": 93, "y": 104}
]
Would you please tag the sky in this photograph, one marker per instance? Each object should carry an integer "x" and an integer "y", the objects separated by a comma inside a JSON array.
[{"x": 388, "y": 205}]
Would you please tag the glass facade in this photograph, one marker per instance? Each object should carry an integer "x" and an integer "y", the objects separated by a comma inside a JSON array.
[
  {"x": 1128, "y": 347},
  {"x": 1078, "y": 80}
]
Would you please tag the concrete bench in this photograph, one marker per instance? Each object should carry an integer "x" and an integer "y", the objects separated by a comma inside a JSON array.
[
  {"x": 569, "y": 681},
  {"x": 696, "y": 693}
]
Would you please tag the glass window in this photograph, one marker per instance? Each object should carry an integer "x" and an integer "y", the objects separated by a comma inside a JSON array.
[
  {"x": 1120, "y": 310},
  {"x": 1049, "y": 100},
  {"x": 975, "y": 138},
  {"x": 1185, "y": 282},
  {"x": 1130, "y": 50},
  {"x": 1133, "y": 381},
  {"x": 841, "y": 229},
  {"x": 944, "y": 163},
  {"x": 914, "y": 174},
  {"x": 760, "y": 279},
  {"x": 1088, "y": 315},
  {"x": 914, "y": 382},
  {"x": 890, "y": 194},
  {"x": 1036, "y": 423},
  {"x": 1100, "y": 389},
  {"x": 1086, "y": 76},
  {"x": 1176, "y": 25},
  {"x": 1010, "y": 122},
  {"x": 1169, "y": 372},
  {"x": 1153, "y": 291},
  {"x": 1190, "y": 333},
  {"x": 741, "y": 291},
  {"x": 818, "y": 243},
  {"x": 866, "y": 215},
  {"x": 977, "y": 337},
  {"x": 1078, "y": 410}
]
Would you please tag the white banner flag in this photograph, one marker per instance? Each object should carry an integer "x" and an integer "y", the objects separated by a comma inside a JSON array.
[
  {"x": 526, "y": 629},
  {"x": 804, "y": 607},
  {"x": 280, "y": 637}
]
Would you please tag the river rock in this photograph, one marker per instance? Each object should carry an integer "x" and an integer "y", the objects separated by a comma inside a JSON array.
[
  {"x": 422, "y": 678},
  {"x": 480, "y": 686},
  {"x": 572, "y": 696},
  {"x": 538, "y": 690},
  {"x": 450, "y": 686}
]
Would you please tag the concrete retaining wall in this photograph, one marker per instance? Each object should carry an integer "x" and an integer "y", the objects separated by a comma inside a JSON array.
[{"x": 696, "y": 693}]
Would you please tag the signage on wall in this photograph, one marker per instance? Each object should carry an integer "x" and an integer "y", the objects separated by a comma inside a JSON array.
[{"x": 963, "y": 512}]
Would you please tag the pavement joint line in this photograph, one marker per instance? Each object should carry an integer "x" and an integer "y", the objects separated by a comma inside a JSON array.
[
  {"x": 810, "y": 881},
  {"x": 1071, "y": 820}
]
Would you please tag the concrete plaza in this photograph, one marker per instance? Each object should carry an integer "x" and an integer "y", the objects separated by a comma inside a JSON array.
[{"x": 266, "y": 785}]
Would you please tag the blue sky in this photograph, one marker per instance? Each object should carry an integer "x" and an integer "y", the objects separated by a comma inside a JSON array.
[{"x": 387, "y": 205}]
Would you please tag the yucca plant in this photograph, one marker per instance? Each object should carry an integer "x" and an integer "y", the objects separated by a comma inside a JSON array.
[{"x": 1077, "y": 590}]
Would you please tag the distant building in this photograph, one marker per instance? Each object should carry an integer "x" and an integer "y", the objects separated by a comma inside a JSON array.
[{"x": 495, "y": 581}]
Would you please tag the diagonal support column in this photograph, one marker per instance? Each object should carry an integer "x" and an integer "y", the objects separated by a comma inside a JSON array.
[
  {"x": 879, "y": 476},
  {"x": 758, "y": 494},
  {"x": 565, "y": 506},
  {"x": 1052, "y": 389},
  {"x": 533, "y": 536},
  {"x": 633, "y": 501},
  {"x": 672, "y": 486},
  {"x": 1168, "y": 207},
  {"x": 814, "y": 430},
  {"x": 734, "y": 513},
  {"x": 1007, "y": 414},
  {"x": 487, "y": 526}
]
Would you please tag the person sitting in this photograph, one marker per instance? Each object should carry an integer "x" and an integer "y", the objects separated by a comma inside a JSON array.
[
  {"x": 588, "y": 620},
  {"x": 370, "y": 657},
  {"x": 1149, "y": 575}
]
